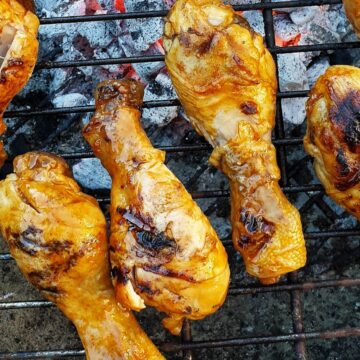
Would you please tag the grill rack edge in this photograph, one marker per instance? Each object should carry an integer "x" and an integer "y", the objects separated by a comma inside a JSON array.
[{"x": 186, "y": 345}]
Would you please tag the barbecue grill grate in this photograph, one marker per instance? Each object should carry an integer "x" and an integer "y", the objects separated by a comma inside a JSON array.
[{"x": 187, "y": 344}]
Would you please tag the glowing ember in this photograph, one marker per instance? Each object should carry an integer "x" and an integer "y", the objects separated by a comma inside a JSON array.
[{"x": 120, "y": 5}]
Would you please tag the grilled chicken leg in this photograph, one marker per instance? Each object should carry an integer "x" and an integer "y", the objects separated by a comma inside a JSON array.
[
  {"x": 18, "y": 52},
  {"x": 333, "y": 134},
  {"x": 352, "y": 9},
  {"x": 225, "y": 79},
  {"x": 57, "y": 236},
  {"x": 164, "y": 252}
]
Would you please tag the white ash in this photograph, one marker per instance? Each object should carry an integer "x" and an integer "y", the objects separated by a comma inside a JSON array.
[
  {"x": 90, "y": 174},
  {"x": 285, "y": 28},
  {"x": 69, "y": 100},
  {"x": 303, "y": 15},
  {"x": 317, "y": 69},
  {"x": 292, "y": 72},
  {"x": 256, "y": 20},
  {"x": 294, "y": 110},
  {"x": 160, "y": 89}
]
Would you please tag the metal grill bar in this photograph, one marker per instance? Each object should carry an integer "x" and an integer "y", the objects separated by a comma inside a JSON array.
[
  {"x": 176, "y": 347},
  {"x": 233, "y": 291},
  {"x": 147, "y": 105},
  {"x": 162, "y": 13},
  {"x": 332, "y": 334},
  {"x": 296, "y": 306},
  {"x": 159, "y": 58}
]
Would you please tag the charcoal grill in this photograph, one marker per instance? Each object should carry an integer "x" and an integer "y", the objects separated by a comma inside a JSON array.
[{"x": 187, "y": 344}]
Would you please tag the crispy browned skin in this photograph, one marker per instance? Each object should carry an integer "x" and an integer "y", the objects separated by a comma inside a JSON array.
[
  {"x": 333, "y": 134},
  {"x": 352, "y": 9},
  {"x": 164, "y": 251},
  {"x": 18, "y": 52},
  {"x": 225, "y": 79},
  {"x": 57, "y": 236}
]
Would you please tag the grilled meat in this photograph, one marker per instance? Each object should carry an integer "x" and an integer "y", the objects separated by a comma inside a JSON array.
[
  {"x": 18, "y": 52},
  {"x": 164, "y": 252},
  {"x": 57, "y": 236},
  {"x": 352, "y": 9},
  {"x": 225, "y": 79},
  {"x": 333, "y": 134}
]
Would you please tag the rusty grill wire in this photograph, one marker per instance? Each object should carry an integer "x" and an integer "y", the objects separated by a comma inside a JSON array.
[{"x": 293, "y": 286}]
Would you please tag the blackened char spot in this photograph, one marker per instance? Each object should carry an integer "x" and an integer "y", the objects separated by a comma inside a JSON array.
[
  {"x": 243, "y": 241},
  {"x": 249, "y": 108},
  {"x": 344, "y": 167},
  {"x": 15, "y": 62},
  {"x": 160, "y": 270},
  {"x": 259, "y": 231},
  {"x": 206, "y": 45},
  {"x": 154, "y": 242},
  {"x": 121, "y": 274},
  {"x": 345, "y": 114},
  {"x": 146, "y": 289},
  {"x": 352, "y": 131},
  {"x": 2, "y": 77},
  {"x": 29, "y": 240},
  {"x": 42, "y": 280}
]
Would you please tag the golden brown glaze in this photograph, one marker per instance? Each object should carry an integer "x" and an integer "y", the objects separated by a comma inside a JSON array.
[
  {"x": 225, "y": 79},
  {"x": 333, "y": 134},
  {"x": 57, "y": 236},
  {"x": 18, "y": 52},
  {"x": 352, "y": 9},
  {"x": 164, "y": 252}
]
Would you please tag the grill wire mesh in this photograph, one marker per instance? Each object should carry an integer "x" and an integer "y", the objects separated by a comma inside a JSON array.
[{"x": 299, "y": 336}]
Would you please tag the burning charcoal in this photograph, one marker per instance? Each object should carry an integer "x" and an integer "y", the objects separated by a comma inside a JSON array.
[
  {"x": 292, "y": 72},
  {"x": 256, "y": 20},
  {"x": 294, "y": 110},
  {"x": 90, "y": 174},
  {"x": 159, "y": 89},
  {"x": 303, "y": 15},
  {"x": 316, "y": 69},
  {"x": 287, "y": 33},
  {"x": 69, "y": 100}
]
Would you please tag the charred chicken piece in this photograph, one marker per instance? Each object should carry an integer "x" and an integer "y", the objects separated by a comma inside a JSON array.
[
  {"x": 57, "y": 236},
  {"x": 352, "y": 9},
  {"x": 164, "y": 252},
  {"x": 225, "y": 79},
  {"x": 18, "y": 52},
  {"x": 333, "y": 134}
]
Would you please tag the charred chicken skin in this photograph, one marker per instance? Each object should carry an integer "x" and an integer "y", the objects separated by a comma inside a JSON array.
[
  {"x": 352, "y": 9},
  {"x": 164, "y": 252},
  {"x": 57, "y": 236},
  {"x": 333, "y": 134},
  {"x": 225, "y": 79},
  {"x": 18, "y": 52}
]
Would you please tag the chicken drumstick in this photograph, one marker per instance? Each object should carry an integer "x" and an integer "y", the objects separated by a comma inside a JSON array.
[
  {"x": 164, "y": 252},
  {"x": 57, "y": 236}
]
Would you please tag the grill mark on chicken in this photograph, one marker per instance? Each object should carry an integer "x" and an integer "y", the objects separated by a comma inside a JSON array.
[
  {"x": 206, "y": 45},
  {"x": 15, "y": 62},
  {"x": 259, "y": 230},
  {"x": 345, "y": 115},
  {"x": 160, "y": 270},
  {"x": 146, "y": 235},
  {"x": 120, "y": 274},
  {"x": 348, "y": 171},
  {"x": 42, "y": 280}
]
